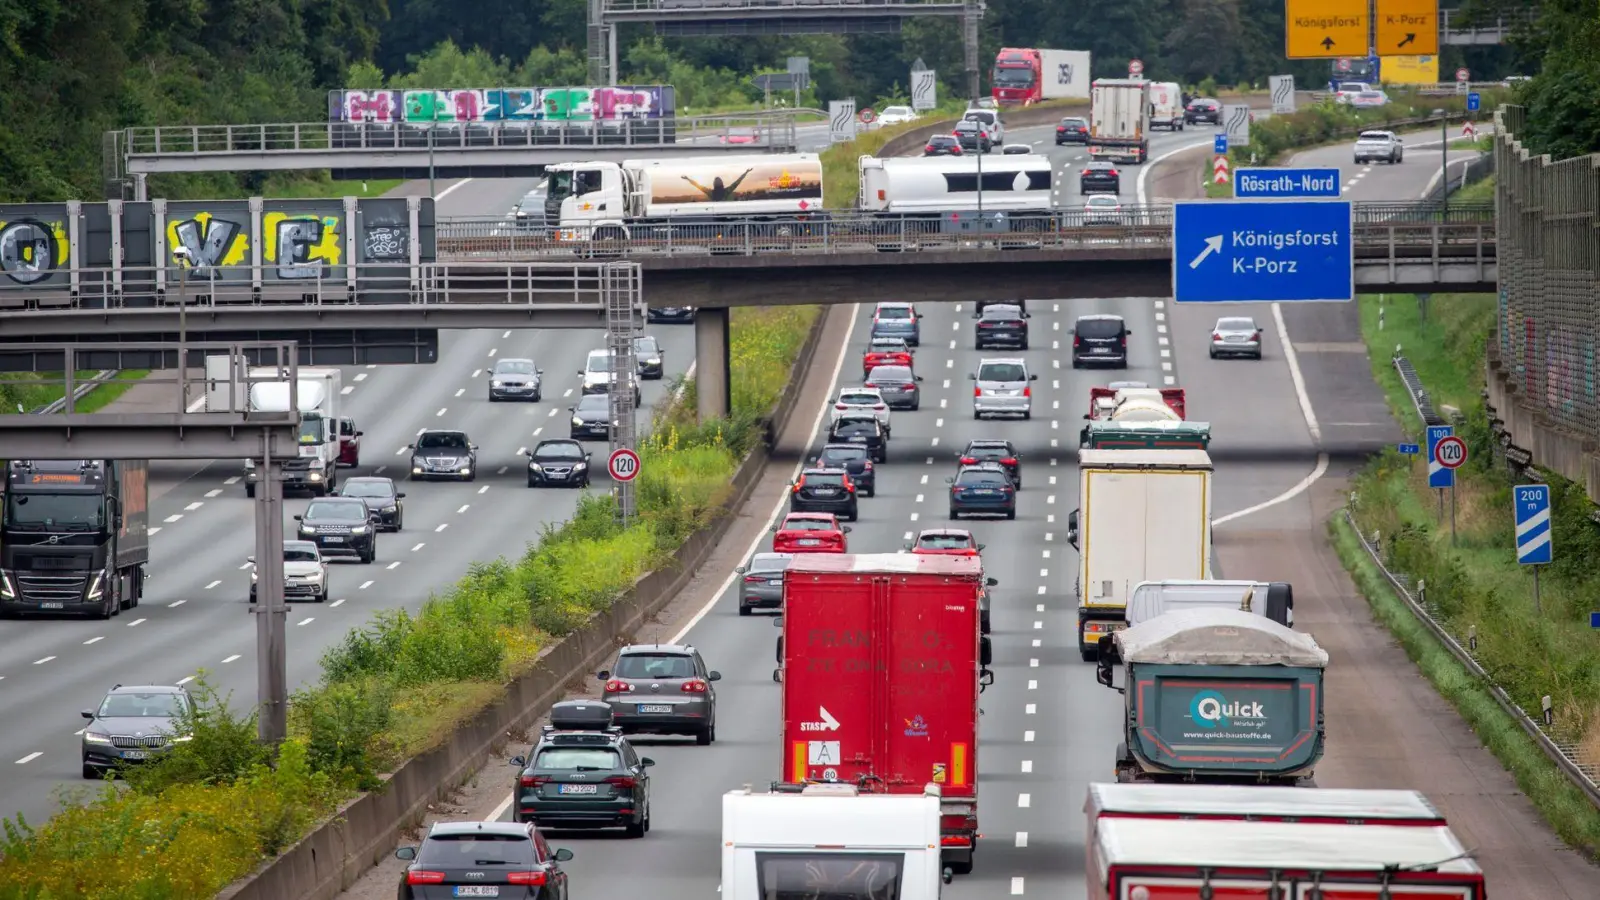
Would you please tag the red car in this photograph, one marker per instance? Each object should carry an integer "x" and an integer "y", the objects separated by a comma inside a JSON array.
[
  {"x": 885, "y": 351},
  {"x": 945, "y": 542},
  {"x": 349, "y": 443},
  {"x": 809, "y": 533}
]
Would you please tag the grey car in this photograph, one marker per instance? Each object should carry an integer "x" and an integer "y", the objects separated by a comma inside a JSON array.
[
  {"x": 898, "y": 385},
  {"x": 132, "y": 724},
  {"x": 901, "y": 320},
  {"x": 591, "y": 418},
  {"x": 448, "y": 455},
  {"x": 762, "y": 584},
  {"x": 515, "y": 379},
  {"x": 649, "y": 356},
  {"x": 1236, "y": 336},
  {"x": 1002, "y": 388},
  {"x": 662, "y": 689}
]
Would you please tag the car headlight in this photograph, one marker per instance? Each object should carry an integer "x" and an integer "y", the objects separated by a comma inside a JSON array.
[
  {"x": 359, "y": 529},
  {"x": 416, "y": 470},
  {"x": 498, "y": 383},
  {"x": 390, "y": 509},
  {"x": 90, "y": 737},
  {"x": 653, "y": 361},
  {"x": 581, "y": 465},
  {"x": 577, "y": 421},
  {"x": 183, "y": 738},
  {"x": 307, "y": 529},
  {"x": 535, "y": 467},
  {"x": 95, "y": 586}
]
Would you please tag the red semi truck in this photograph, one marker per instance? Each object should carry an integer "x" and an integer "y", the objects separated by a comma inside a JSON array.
[{"x": 882, "y": 663}]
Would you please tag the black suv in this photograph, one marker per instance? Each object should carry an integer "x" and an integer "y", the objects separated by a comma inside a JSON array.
[
  {"x": 862, "y": 430},
  {"x": 1072, "y": 130},
  {"x": 1099, "y": 178},
  {"x": 1100, "y": 340},
  {"x": 583, "y": 773},
  {"x": 340, "y": 526},
  {"x": 558, "y": 462},
  {"x": 825, "y": 490},
  {"x": 1001, "y": 325},
  {"x": 507, "y": 860},
  {"x": 448, "y": 455},
  {"x": 853, "y": 458},
  {"x": 1001, "y": 452},
  {"x": 381, "y": 498}
]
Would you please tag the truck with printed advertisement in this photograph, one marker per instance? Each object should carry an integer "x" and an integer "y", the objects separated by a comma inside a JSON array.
[
  {"x": 316, "y": 468},
  {"x": 831, "y": 840},
  {"x": 634, "y": 199},
  {"x": 1024, "y": 76},
  {"x": 1144, "y": 515},
  {"x": 1216, "y": 695},
  {"x": 881, "y": 664},
  {"x": 1119, "y": 120},
  {"x": 74, "y": 536},
  {"x": 1188, "y": 859}
]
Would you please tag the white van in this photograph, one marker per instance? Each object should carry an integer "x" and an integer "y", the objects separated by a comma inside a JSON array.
[
  {"x": 1166, "y": 105},
  {"x": 991, "y": 121},
  {"x": 596, "y": 374}
]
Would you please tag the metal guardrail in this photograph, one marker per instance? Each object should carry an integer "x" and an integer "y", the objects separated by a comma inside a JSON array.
[
  {"x": 1562, "y": 752},
  {"x": 1420, "y": 398},
  {"x": 60, "y": 404},
  {"x": 1405, "y": 228}
]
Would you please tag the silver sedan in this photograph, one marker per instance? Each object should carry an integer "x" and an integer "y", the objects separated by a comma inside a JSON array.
[{"x": 1236, "y": 336}]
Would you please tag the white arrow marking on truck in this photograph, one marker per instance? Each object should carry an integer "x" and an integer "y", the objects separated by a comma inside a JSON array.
[
  {"x": 828, "y": 721},
  {"x": 1213, "y": 245}
]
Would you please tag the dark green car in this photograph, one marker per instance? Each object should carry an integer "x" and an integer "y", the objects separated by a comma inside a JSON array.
[{"x": 583, "y": 773}]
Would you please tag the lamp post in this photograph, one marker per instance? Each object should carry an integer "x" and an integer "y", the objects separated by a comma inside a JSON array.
[{"x": 185, "y": 259}]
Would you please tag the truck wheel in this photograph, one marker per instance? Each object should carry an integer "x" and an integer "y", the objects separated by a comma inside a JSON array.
[
  {"x": 1089, "y": 656},
  {"x": 983, "y": 621}
]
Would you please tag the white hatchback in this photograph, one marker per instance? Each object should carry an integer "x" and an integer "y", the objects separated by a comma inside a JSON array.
[{"x": 856, "y": 399}]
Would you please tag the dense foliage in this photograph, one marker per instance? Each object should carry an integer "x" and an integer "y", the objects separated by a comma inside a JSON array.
[
  {"x": 1561, "y": 45},
  {"x": 74, "y": 69}
]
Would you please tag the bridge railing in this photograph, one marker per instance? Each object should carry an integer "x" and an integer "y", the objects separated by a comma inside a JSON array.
[
  {"x": 1408, "y": 228},
  {"x": 756, "y": 131}
]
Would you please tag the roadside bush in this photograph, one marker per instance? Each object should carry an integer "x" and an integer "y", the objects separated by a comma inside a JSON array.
[
  {"x": 1328, "y": 121},
  {"x": 345, "y": 729},
  {"x": 221, "y": 747}
]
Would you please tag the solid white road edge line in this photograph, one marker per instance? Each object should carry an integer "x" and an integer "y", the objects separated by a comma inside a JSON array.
[
  {"x": 777, "y": 510},
  {"x": 447, "y": 191}
]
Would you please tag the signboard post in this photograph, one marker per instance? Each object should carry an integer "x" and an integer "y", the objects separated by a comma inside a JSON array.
[
  {"x": 623, "y": 464},
  {"x": 1285, "y": 184},
  {"x": 1446, "y": 453},
  {"x": 1253, "y": 252},
  {"x": 800, "y": 68},
  {"x": 924, "y": 89},
  {"x": 1236, "y": 124},
  {"x": 1462, "y": 77},
  {"x": 1407, "y": 27},
  {"x": 841, "y": 120},
  {"x": 1532, "y": 511},
  {"x": 1282, "y": 91},
  {"x": 1325, "y": 29}
]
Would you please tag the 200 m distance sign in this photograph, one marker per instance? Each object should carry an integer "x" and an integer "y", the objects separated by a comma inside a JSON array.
[{"x": 623, "y": 464}]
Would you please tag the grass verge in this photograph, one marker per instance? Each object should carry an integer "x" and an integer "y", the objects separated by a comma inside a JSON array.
[
  {"x": 213, "y": 809},
  {"x": 32, "y": 390},
  {"x": 315, "y": 185}
]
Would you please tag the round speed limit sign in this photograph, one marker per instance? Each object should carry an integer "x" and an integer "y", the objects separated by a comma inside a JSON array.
[
  {"x": 1451, "y": 452},
  {"x": 867, "y": 116},
  {"x": 623, "y": 464}
]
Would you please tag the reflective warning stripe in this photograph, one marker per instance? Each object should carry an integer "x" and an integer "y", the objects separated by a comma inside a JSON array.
[
  {"x": 797, "y": 762},
  {"x": 958, "y": 764}
]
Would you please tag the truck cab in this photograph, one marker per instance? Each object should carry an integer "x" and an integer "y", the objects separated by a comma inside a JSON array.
[
  {"x": 586, "y": 201},
  {"x": 74, "y": 536}
]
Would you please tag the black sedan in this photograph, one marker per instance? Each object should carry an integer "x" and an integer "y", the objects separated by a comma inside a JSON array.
[
  {"x": 507, "y": 860},
  {"x": 1072, "y": 130},
  {"x": 861, "y": 430},
  {"x": 683, "y": 315},
  {"x": 1002, "y": 453},
  {"x": 825, "y": 490},
  {"x": 942, "y": 145},
  {"x": 558, "y": 463},
  {"x": 591, "y": 418},
  {"x": 1001, "y": 326},
  {"x": 340, "y": 526},
  {"x": 1100, "y": 178},
  {"x": 983, "y": 489},
  {"x": 382, "y": 500},
  {"x": 855, "y": 459},
  {"x": 648, "y": 354},
  {"x": 1202, "y": 109}
]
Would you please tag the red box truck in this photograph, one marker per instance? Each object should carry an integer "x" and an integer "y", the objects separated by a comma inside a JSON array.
[{"x": 882, "y": 663}]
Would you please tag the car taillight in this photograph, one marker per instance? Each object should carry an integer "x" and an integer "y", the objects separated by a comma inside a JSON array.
[
  {"x": 1112, "y": 173},
  {"x": 618, "y": 686},
  {"x": 754, "y": 579},
  {"x": 694, "y": 686},
  {"x": 880, "y": 407},
  {"x": 1215, "y": 336},
  {"x": 849, "y": 487},
  {"x": 528, "y": 878},
  {"x": 1124, "y": 339},
  {"x": 977, "y": 392},
  {"x": 968, "y": 460},
  {"x": 840, "y": 406},
  {"x": 533, "y": 780},
  {"x": 1258, "y": 334},
  {"x": 1027, "y": 392},
  {"x": 1076, "y": 341},
  {"x": 423, "y": 876},
  {"x": 929, "y": 148},
  {"x": 1009, "y": 461},
  {"x": 622, "y": 781},
  {"x": 867, "y": 466}
]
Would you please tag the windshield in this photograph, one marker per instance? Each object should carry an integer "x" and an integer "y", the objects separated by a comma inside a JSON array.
[
  {"x": 897, "y": 111},
  {"x": 559, "y": 451},
  {"x": 646, "y": 345},
  {"x": 843, "y": 454},
  {"x": 894, "y": 312},
  {"x": 819, "y": 875},
  {"x": 463, "y": 851},
  {"x": 1236, "y": 325},
  {"x": 141, "y": 706},
  {"x": 299, "y": 554},
  {"x": 514, "y": 367},
  {"x": 941, "y": 139},
  {"x": 442, "y": 440},
  {"x": 945, "y": 541},
  {"x": 1074, "y": 122},
  {"x": 768, "y": 563},
  {"x": 1002, "y": 312},
  {"x": 824, "y": 479},
  {"x": 652, "y": 665},
  {"x": 1001, "y": 372},
  {"x": 859, "y": 399},
  {"x": 986, "y": 118},
  {"x": 891, "y": 373},
  {"x": 981, "y": 476},
  {"x": 599, "y": 404},
  {"x": 574, "y": 758},
  {"x": 310, "y": 429},
  {"x": 1373, "y": 136},
  {"x": 1012, "y": 76},
  {"x": 807, "y": 525},
  {"x": 367, "y": 489},
  {"x": 1101, "y": 200},
  {"x": 888, "y": 345},
  {"x": 988, "y": 452},
  {"x": 70, "y": 512},
  {"x": 559, "y": 185},
  {"x": 1352, "y": 86},
  {"x": 1099, "y": 328},
  {"x": 322, "y": 509},
  {"x": 599, "y": 362},
  {"x": 853, "y": 425}
]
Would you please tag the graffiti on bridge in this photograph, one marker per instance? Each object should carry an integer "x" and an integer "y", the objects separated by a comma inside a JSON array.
[
  {"x": 301, "y": 246},
  {"x": 556, "y": 104},
  {"x": 32, "y": 250},
  {"x": 212, "y": 242},
  {"x": 295, "y": 246}
]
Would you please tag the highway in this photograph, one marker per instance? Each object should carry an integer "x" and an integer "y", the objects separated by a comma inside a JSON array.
[{"x": 194, "y": 614}]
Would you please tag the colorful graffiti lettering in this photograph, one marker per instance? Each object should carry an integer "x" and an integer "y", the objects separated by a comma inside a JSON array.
[
  {"x": 32, "y": 250},
  {"x": 301, "y": 245},
  {"x": 560, "y": 104},
  {"x": 212, "y": 243}
]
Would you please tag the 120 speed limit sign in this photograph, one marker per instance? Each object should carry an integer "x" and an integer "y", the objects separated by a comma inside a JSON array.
[
  {"x": 623, "y": 465},
  {"x": 1451, "y": 452}
]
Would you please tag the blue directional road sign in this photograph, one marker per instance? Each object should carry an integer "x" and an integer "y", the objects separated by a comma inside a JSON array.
[
  {"x": 1438, "y": 475},
  {"x": 1285, "y": 184},
  {"x": 1229, "y": 252},
  {"x": 1533, "y": 524},
  {"x": 1474, "y": 100},
  {"x": 1410, "y": 449},
  {"x": 1219, "y": 144}
]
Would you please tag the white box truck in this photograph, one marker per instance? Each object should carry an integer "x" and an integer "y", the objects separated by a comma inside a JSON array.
[
  {"x": 317, "y": 398},
  {"x": 830, "y": 840},
  {"x": 1144, "y": 515},
  {"x": 1166, "y": 105},
  {"x": 940, "y": 184},
  {"x": 1119, "y": 120}
]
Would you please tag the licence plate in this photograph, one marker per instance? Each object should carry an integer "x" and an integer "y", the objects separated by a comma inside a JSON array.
[
  {"x": 776, "y": 582},
  {"x": 477, "y": 890},
  {"x": 647, "y": 709},
  {"x": 985, "y": 492},
  {"x": 825, "y": 492},
  {"x": 578, "y": 789},
  {"x": 1100, "y": 350},
  {"x": 809, "y": 542},
  {"x": 134, "y": 754},
  {"x": 858, "y": 440},
  {"x": 52, "y": 606}
]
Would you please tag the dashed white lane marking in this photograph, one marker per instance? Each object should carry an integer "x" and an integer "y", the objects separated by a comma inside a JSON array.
[
  {"x": 337, "y": 602},
  {"x": 40, "y": 662},
  {"x": 1027, "y": 737},
  {"x": 1016, "y": 885},
  {"x": 1046, "y": 554},
  {"x": 1027, "y": 766},
  {"x": 155, "y": 529},
  {"x": 919, "y": 498},
  {"x": 401, "y": 451},
  {"x": 394, "y": 565},
  {"x": 185, "y": 679},
  {"x": 442, "y": 411},
  {"x": 364, "y": 585},
  {"x": 1044, "y": 573},
  {"x": 94, "y": 640},
  {"x": 214, "y": 492},
  {"x": 460, "y": 391},
  {"x": 1022, "y": 839},
  {"x": 493, "y": 350},
  {"x": 347, "y": 389},
  {"x": 213, "y": 584},
  {"x": 173, "y": 518},
  {"x": 362, "y": 376},
  {"x": 1024, "y": 801},
  {"x": 1041, "y": 590},
  {"x": 484, "y": 489},
  {"x": 567, "y": 394},
  {"x": 307, "y": 620},
  {"x": 1030, "y": 710},
  {"x": 245, "y": 566},
  {"x": 924, "y": 480},
  {"x": 30, "y": 758},
  {"x": 233, "y": 658},
  {"x": 418, "y": 547},
  {"x": 1033, "y": 663},
  {"x": 464, "y": 508},
  {"x": 1033, "y": 684},
  {"x": 1037, "y": 626},
  {"x": 137, "y": 622},
  {"x": 553, "y": 412},
  {"x": 938, "y": 423},
  {"x": 915, "y": 516},
  {"x": 1036, "y": 642},
  {"x": 176, "y": 603},
  {"x": 442, "y": 526}
]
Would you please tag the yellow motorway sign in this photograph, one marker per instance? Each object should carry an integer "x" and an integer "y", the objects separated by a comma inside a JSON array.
[
  {"x": 1323, "y": 29},
  {"x": 1408, "y": 27}
]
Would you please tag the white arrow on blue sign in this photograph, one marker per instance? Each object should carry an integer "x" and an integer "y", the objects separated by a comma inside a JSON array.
[
  {"x": 1248, "y": 251},
  {"x": 1473, "y": 101},
  {"x": 1533, "y": 524},
  {"x": 1438, "y": 475},
  {"x": 1285, "y": 184},
  {"x": 1220, "y": 143}
]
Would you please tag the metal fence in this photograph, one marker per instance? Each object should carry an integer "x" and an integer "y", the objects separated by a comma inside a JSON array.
[{"x": 1549, "y": 269}]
